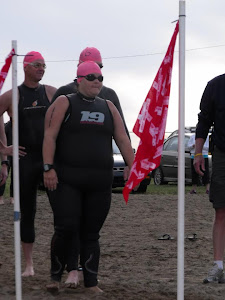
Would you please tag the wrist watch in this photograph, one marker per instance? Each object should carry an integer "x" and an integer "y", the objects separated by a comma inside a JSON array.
[{"x": 48, "y": 167}]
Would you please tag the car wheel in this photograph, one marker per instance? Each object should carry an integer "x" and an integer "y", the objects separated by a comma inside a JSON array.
[{"x": 158, "y": 176}]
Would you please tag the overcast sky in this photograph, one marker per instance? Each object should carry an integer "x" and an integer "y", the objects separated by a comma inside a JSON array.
[{"x": 132, "y": 37}]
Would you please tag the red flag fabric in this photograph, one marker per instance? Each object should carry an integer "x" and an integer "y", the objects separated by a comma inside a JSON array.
[
  {"x": 151, "y": 122},
  {"x": 5, "y": 68}
]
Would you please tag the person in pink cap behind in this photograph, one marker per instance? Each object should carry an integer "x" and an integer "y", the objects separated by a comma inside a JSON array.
[
  {"x": 34, "y": 99},
  {"x": 93, "y": 54},
  {"x": 77, "y": 153}
]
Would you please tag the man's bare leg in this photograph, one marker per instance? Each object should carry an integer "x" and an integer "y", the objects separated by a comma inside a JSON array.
[
  {"x": 219, "y": 234},
  {"x": 27, "y": 250}
]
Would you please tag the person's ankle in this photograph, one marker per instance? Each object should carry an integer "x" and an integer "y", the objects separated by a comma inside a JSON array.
[{"x": 219, "y": 263}]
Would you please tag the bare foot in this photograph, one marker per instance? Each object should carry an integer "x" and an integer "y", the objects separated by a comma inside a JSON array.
[
  {"x": 72, "y": 280},
  {"x": 1, "y": 201},
  {"x": 53, "y": 287},
  {"x": 11, "y": 200},
  {"x": 95, "y": 289},
  {"x": 29, "y": 271}
]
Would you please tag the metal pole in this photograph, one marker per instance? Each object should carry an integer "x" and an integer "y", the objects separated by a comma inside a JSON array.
[
  {"x": 181, "y": 154},
  {"x": 16, "y": 176}
]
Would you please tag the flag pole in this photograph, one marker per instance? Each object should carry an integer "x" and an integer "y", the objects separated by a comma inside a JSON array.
[
  {"x": 16, "y": 176},
  {"x": 181, "y": 154}
]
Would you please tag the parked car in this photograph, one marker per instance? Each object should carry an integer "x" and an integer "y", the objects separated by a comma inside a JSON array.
[
  {"x": 188, "y": 129},
  {"x": 118, "y": 169},
  {"x": 168, "y": 169}
]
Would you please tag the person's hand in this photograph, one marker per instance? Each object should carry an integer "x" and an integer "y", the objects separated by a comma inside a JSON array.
[
  {"x": 3, "y": 174},
  {"x": 199, "y": 164},
  {"x": 21, "y": 152},
  {"x": 126, "y": 173},
  {"x": 8, "y": 151},
  {"x": 50, "y": 180}
]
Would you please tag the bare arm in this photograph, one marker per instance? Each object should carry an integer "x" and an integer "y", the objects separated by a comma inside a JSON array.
[
  {"x": 121, "y": 137},
  {"x": 3, "y": 143},
  {"x": 53, "y": 120},
  {"x": 6, "y": 106},
  {"x": 3, "y": 139},
  {"x": 6, "y": 103}
]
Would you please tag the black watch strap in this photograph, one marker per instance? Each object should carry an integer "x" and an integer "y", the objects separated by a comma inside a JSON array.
[{"x": 48, "y": 167}]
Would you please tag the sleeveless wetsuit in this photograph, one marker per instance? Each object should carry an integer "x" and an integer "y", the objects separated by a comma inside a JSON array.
[
  {"x": 33, "y": 104},
  {"x": 81, "y": 202},
  {"x": 105, "y": 93}
]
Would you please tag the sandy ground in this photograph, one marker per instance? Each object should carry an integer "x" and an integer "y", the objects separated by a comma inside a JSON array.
[{"x": 134, "y": 263}]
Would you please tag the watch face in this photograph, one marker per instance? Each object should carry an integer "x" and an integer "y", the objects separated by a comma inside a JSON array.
[{"x": 47, "y": 167}]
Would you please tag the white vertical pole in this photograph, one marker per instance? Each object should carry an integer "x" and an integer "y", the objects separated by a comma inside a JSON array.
[
  {"x": 181, "y": 154},
  {"x": 16, "y": 176}
]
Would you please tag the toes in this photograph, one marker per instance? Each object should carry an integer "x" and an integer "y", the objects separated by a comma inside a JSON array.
[{"x": 71, "y": 285}]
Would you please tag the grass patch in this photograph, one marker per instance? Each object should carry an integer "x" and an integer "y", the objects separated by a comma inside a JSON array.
[
  {"x": 165, "y": 189},
  {"x": 171, "y": 189}
]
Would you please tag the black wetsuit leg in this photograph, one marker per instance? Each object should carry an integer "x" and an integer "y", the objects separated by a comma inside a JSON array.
[
  {"x": 95, "y": 208},
  {"x": 66, "y": 205},
  {"x": 2, "y": 189},
  {"x": 31, "y": 170}
]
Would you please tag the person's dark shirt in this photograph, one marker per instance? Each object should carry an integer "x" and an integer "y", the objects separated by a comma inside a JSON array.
[
  {"x": 105, "y": 93},
  {"x": 212, "y": 112}
]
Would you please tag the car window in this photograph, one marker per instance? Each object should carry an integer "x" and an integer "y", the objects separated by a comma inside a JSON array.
[
  {"x": 171, "y": 144},
  {"x": 186, "y": 140},
  {"x": 165, "y": 145},
  {"x": 116, "y": 150}
]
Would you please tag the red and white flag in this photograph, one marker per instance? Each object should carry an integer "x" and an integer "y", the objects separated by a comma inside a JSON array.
[
  {"x": 5, "y": 68},
  {"x": 151, "y": 122}
]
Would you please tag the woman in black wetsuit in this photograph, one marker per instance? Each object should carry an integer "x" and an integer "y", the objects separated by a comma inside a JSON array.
[{"x": 78, "y": 162}]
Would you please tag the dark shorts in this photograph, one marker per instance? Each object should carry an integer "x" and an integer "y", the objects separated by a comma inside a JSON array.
[{"x": 217, "y": 186}]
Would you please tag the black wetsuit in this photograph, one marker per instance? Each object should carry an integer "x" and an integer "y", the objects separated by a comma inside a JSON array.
[
  {"x": 83, "y": 162},
  {"x": 105, "y": 93},
  {"x": 33, "y": 104}
]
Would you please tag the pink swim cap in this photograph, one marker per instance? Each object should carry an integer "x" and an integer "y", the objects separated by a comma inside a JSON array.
[
  {"x": 87, "y": 67},
  {"x": 90, "y": 53},
  {"x": 31, "y": 56}
]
